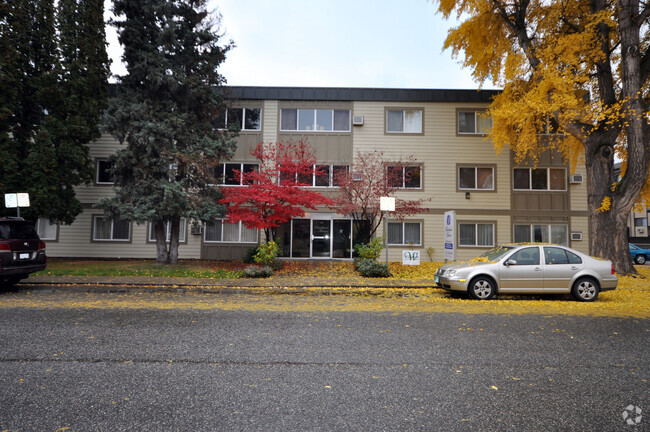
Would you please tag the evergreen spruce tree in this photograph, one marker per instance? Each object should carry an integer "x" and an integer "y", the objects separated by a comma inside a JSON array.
[{"x": 164, "y": 113}]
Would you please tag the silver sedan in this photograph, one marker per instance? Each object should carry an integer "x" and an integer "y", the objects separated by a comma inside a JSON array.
[{"x": 529, "y": 269}]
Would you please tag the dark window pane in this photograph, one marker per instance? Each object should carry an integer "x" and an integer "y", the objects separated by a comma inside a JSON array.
[
  {"x": 249, "y": 168},
  {"x": 395, "y": 235},
  {"x": 395, "y": 122},
  {"x": 252, "y": 121},
  {"x": 528, "y": 256},
  {"x": 573, "y": 258},
  {"x": 467, "y": 178},
  {"x": 121, "y": 230},
  {"x": 522, "y": 178},
  {"x": 466, "y": 122},
  {"x": 467, "y": 235},
  {"x": 395, "y": 176},
  {"x": 103, "y": 171},
  {"x": 412, "y": 177},
  {"x": 539, "y": 179},
  {"x": 555, "y": 256},
  {"x": 219, "y": 122},
  {"x": 322, "y": 175},
  {"x": 289, "y": 119},
  {"x": 235, "y": 117},
  {"x": 232, "y": 174},
  {"x": 522, "y": 233},
  {"x": 558, "y": 179},
  {"x": 485, "y": 178},
  {"x": 341, "y": 120},
  {"x": 338, "y": 172}
]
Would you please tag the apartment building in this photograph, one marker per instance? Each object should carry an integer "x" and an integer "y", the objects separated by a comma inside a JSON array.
[{"x": 456, "y": 169}]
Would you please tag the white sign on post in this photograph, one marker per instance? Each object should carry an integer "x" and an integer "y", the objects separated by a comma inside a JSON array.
[
  {"x": 410, "y": 257},
  {"x": 23, "y": 200},
  {"x": 11, "y": 200},
  {"x": 450, "y": 236},
  {"x": 387, "y": 204}
]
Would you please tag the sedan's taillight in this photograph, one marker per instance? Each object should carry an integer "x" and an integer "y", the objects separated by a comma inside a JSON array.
[
  {"x": 613, "y": 272},
  {"x": 5, "y": 246},
  {"x": 41, "y": 246}
]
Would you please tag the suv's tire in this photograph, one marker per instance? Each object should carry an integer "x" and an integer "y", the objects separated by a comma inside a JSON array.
[
  {"x": 482, "y": 288},
  {"x": 585, "y": 290},
  {"x": 640, "y": 259},
  {"x": 9, "y": 283}
]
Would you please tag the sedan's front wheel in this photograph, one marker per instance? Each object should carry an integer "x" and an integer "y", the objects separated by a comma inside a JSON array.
[
  {"x": 640, "y": 259},
  {"x": 482, "y": 288},
  {"x": 585, "y": 290}
]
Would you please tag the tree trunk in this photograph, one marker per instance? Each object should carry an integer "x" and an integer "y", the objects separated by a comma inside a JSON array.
[
  {"x": 162, "y": 254},
  {"x": 608, "y": 231},
  {"x": 174, "y": 228}
]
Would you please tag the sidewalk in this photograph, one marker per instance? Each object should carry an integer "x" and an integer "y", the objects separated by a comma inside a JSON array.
[{"x": 276, "y": 284}]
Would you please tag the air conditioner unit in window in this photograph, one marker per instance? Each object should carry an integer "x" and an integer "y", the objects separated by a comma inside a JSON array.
[
  {"x": 357, "y": 176},
  {"x": 357, "y": 120},
  {"x": 576, "y": 236},
  {"x": 575, "y": 179},
  {"x": 196, "y": 229},
  {"x": 641, "y": 231}
]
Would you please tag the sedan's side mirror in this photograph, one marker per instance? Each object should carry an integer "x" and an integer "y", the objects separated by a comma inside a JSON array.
[{"x": 510, "y": 262}]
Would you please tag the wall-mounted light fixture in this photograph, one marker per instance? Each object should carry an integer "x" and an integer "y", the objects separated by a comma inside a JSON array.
[{"x": 467, "y": 195}]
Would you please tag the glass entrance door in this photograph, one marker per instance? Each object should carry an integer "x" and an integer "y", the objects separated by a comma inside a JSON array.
[{"x": 321, "y": 239}]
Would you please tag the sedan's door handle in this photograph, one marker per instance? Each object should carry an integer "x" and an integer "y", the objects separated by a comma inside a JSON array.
[
  {"x": 574, "y": 268},
  {"x": 538, "y": 269}
]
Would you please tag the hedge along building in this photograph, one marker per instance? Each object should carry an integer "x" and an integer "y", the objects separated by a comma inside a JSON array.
[{"x": 456, "y": 169}]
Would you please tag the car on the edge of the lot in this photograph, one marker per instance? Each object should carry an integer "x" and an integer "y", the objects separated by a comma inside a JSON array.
[
  {"x": 21, "y": 251},
  {"x": 530, "y": 268},
  {"x": 639, "y": 255}
]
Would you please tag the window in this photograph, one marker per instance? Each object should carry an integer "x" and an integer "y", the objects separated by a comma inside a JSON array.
[
  {"x": 543, "y": 233},
  {"x": 315, "y": 120},
  {"x": 105, "y": 229},
  {"x": 222, "y": 231},
  {"x": 45, "y": 229},
  {"x": 404, "y": 121},
  {"x": 182, "y": 230},
  {"x": 321, "y": 176},
  {"x": 560, "y": 256},
  {"x": 104, "y": 175},
  {"x": 405, "y": 233},
  {"x": 475, "y": 178},
  {"x": 404, "y": 177},
  {"x": 527, "y": 256},
  {"x": 542, "y": 179},
  {"x": 641, "y": 222},
  {"x": 476, "y": 234},
  {"x": 248, "y": 119},
  {"x": 231, "y": 174},
  {"x": 473, "y": 122}
]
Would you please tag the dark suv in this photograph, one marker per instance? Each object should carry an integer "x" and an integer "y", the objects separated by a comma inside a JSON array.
[{"x": 21, "y": 251}]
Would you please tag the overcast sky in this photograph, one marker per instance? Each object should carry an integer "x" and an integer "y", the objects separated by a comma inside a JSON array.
[{"x": 334, "y": 43}]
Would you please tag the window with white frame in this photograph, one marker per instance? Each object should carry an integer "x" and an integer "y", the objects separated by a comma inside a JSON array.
[
  {"x": 329, "y": 175},
  {"x": 232, "y": 174},
  {"x": 405, "y": 233},
  {"x": 473, "y": 122},
  {"x": 220, "y": 231},
  {"x": 475, "y": 178},
  {"x": 248, "y": 119},
  {"x": 476, "y": 234},
  {"x": 404, "y": 121},
  {"x": 539, "y": 179},
  {"x": 103, "y": 172},
  {"x": 542, "y": 233},
  {"x": 46, "y": 230},
  {"x": 404, "y": 176},
  {"x": 315, "y": 120},
  {"x": 106, "y": 229},
  {"x": 182, "y": 231}
]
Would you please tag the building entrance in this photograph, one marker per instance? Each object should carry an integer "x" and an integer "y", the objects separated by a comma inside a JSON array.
[{"x": 321, "y": 236}]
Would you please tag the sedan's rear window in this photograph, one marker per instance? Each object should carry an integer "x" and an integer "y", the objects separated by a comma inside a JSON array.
[{"x": 17, "y": 231}]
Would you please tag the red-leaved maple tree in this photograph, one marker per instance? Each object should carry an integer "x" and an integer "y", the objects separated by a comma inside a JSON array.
[
  {"x": 277, "y": 191},
  {"x": 371, "y": 177}
]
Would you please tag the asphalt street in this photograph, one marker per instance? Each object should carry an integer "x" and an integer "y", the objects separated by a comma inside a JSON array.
[{"x": 196, "y": 362}]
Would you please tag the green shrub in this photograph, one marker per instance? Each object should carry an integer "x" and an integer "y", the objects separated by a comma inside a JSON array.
[
  {"x": 255, "y": 271},
  {"x": 370, "y": 251},
  {"x": 249, "y": 258},
  {"x": 266, "y": 253},
  {"x": 371, "y": 268},
  {"x": 277, "y": 264}
]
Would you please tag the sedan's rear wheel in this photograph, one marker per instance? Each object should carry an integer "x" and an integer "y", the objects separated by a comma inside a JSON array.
[
  {"x": 640, "y": 259},
  {"x": 482, "y": 288},
  {"x": 585, "y": 290}
]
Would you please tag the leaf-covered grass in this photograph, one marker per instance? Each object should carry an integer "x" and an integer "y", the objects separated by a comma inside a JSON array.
[{"x": 146, "y": 268}]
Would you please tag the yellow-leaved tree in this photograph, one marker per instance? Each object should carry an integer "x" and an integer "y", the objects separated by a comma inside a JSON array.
[{"x": 582, "y": 66}]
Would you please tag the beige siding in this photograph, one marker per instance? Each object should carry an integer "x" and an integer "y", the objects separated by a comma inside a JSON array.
[
  {"x": 580, "y": 224},
  {"x": 100, "y": 149},
  {"x": 270, "y": 121}
]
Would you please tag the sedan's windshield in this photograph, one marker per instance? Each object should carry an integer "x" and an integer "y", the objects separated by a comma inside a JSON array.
[{"x": 497, "y": 253}]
